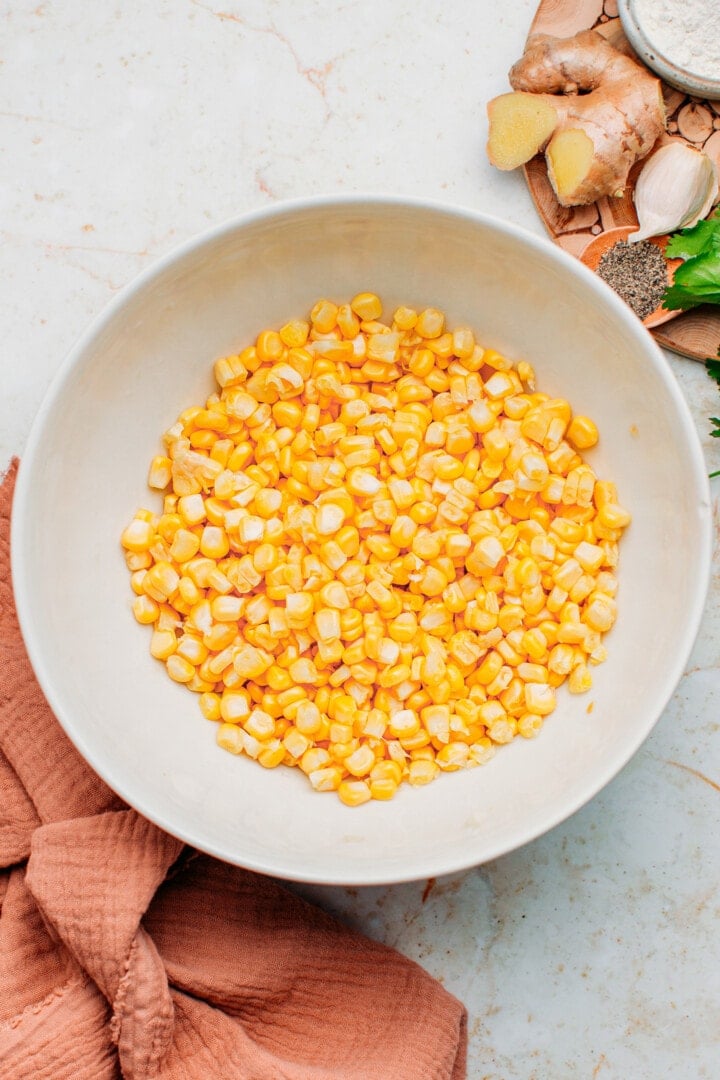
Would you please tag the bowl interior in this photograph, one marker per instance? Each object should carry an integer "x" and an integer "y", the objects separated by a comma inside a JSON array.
[{"x": 151, "y": 355}]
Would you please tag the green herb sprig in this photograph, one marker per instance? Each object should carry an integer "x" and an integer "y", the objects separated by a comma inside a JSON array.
[
  {"x": 697, "y": 281},
  {"x": 713, "y": 369}
]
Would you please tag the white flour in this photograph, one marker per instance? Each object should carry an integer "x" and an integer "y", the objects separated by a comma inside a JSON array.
[{"x": 686, "y": 32}]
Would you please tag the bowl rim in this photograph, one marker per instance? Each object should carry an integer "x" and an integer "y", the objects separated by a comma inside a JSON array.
[{"x": 441, "y": 863}]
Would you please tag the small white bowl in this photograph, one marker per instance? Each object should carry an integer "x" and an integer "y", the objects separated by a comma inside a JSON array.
[
  {"x": 669, "y": 71},
  {"x": 150, "y": 354}
]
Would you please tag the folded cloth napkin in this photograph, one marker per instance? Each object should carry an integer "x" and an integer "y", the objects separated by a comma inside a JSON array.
[{"x": 124, "y": 953}]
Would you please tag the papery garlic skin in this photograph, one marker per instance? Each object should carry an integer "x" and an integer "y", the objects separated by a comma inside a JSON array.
[{"x": 675, "y": 189}]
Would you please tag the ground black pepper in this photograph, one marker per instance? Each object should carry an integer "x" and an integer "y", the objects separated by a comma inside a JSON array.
[{"x": 637, "y": 273}]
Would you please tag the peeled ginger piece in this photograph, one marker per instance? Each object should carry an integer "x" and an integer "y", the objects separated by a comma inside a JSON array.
[
  {"x": 520, "y": 126},
  {"x": 569, "y": 159}
]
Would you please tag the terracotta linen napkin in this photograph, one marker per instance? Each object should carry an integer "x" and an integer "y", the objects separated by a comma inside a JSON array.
[{"x": 124, "y": 953}]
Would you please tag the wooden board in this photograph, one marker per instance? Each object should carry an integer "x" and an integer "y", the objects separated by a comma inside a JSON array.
[{"x": 695, "y": 333}]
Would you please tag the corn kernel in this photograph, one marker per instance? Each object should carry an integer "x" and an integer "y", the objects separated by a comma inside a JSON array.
[
  {"x": 354, "y": 792},
  {"x": 234, "y": 706},
  {"x": 229, "y": 737},
  {"x": 138, "y": 536},
  {"x": 163, "y": 644},
  {"x": 582, "y": 433},
  {"x": 145, "y": 609},
  {"x": 327, "y": 778},
  {"x": 179, "y": 669},
  {"x": 430, "y": 323},
  {"x": 367, "y": 306}
]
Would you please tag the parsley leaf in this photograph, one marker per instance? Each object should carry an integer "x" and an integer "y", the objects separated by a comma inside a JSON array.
[
  {"x": 713, "y": 369},
  {"x": 705, "y": 236},
  {"x": 696, "y": 281}
]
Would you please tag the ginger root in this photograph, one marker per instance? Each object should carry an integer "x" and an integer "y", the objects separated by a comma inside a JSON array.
[{"x": 592, "y": 109}]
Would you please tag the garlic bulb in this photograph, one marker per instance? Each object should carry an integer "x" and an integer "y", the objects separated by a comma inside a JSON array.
[{"x": 675, "y": 189}]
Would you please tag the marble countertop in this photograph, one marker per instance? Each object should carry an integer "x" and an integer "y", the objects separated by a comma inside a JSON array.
[{"x": 126, "y": 128}]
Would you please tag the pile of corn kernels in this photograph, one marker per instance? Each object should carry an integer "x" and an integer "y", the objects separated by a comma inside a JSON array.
[{"x": 380, "y": 550}]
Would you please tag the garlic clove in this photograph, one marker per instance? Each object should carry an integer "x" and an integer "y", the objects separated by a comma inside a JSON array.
[
  {"x": 675, "y": 189},
  {"x": 712, "y": 198}
]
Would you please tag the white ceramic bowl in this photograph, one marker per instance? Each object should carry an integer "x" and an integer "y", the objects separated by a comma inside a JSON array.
[{"x": 150, "y": 354}]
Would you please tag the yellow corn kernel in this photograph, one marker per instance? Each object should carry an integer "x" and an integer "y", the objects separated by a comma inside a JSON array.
[
  {"x": 138, "y": 560},
  {"x": 161, "y": 581},
  {"x": 452, "y": 756},
  {"x": 269, "y": 346},
  {"x": 432, "y": 582},
  {"x": 529, "y": 725},
  {"x": 203, "y": 440},
  {"x": 502, "y": 730},
  {"x": 160, "y": 473},
  {"x": 354, "y": 792},
  {"x": 383, "y": 789},
  {"x": 360, "y": 762},
  {"x": 230, "y": 371},
  {"x": 600, "y": 612},
  {"x": 405, "y": 318},
  {"x": 423, "y": 512},
  {"x": 234, "y": 706},
  {"x": 229, "y": 737},
  {"x": 404, "y": 723},
  {"x": 386, "y": 770},
  {"x": 404, "y": 627},
  {"x": 327, "y": 778},
  {"x": 192, "y": 649},
  {"x": 367, "y": 306},
  {"x": 539, "y": 698},
  {"x": 579, "y": 680},
  {"x": 613, "y": 516},
  {"x": 308, "y": 718},
  {"x": 185, "y": 545},
  {"x": 179, "y": 669},
  {"x": 573, "y": 633},
  {"x": 136, "y": 579},
  {"x": 303, "y": 670},
  {"x": 430, "y": 323},
  {"x": 381, "y": 547},
  {"x": 605, "y": 492},
  {"x": 210, "y": 706},
  {"x": 249, "y": 662},
  {"x": 214, "y": 543},
  {"x": 294, "y": 334},
  {"x": 145, "y": 609},
  {"x": 271, "y": 756},
  {"x": 422, "y": 771},
  {"x": 534, "y": 643},
  {"x": 436, "y": 721},
  {"x": 315, "y": 758},
  {"x": 582, "y": 433},
  {"x": 421, "y": 363},
  {"x": 138, "y": 536},
  {"x": 260, "y": 725},
  {"x": 163, "y": 644},
  {"x": 560, "y": 660},
  {"x": 489, "y": 669}
]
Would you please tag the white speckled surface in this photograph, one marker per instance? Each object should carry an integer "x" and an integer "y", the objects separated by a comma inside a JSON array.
[{"x": 592, "y": 953}]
